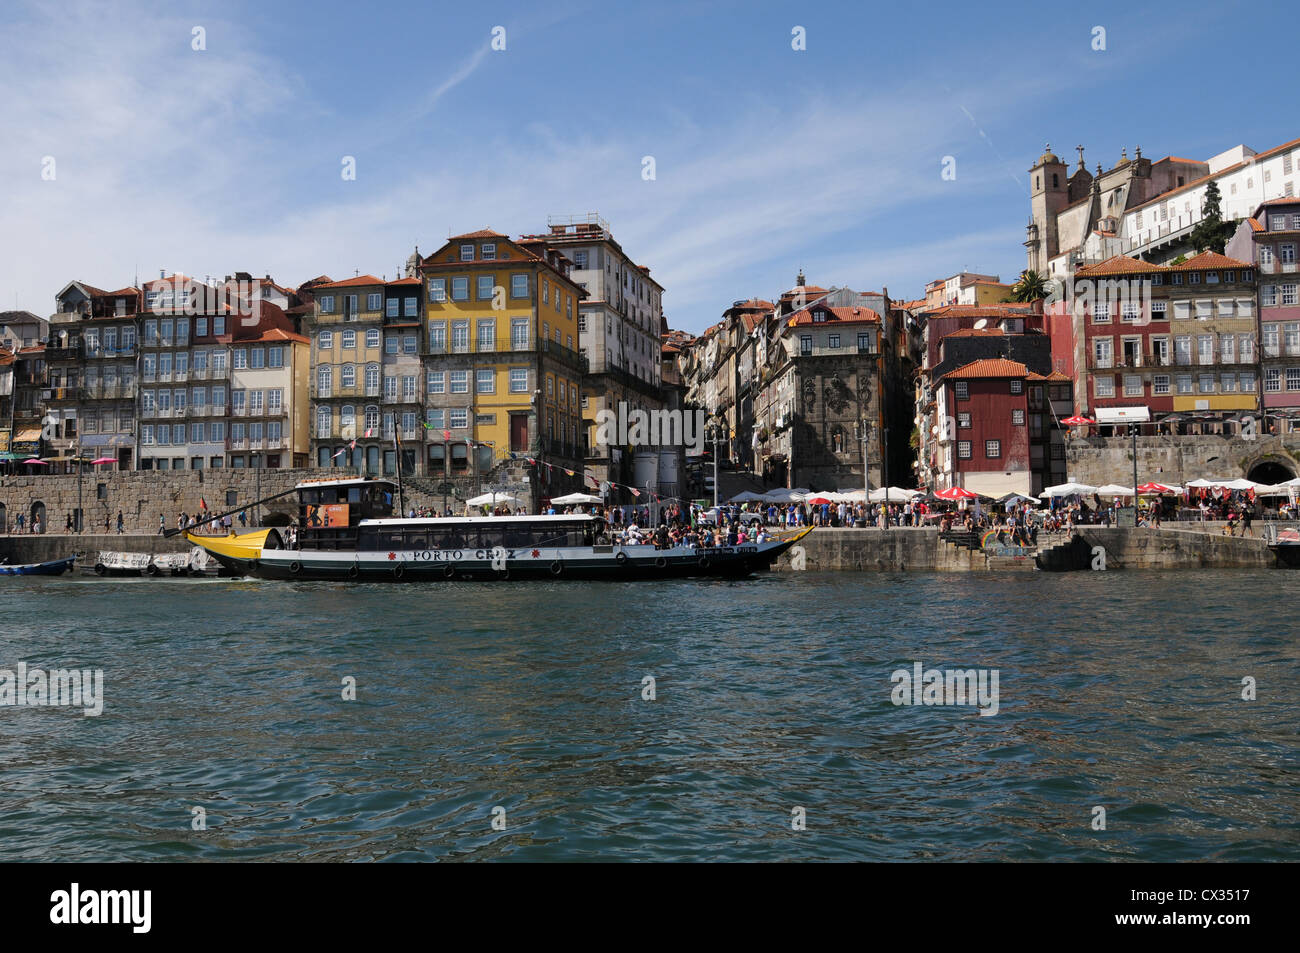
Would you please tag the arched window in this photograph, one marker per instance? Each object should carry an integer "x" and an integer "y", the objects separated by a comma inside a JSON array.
[
  {"x": 372, "y": 380},
  {"x": 324, "y": 381},
  {"x": 1055, "y": 180},
  {"x": 372, "y": 418},
  {"x": 324, "y": 420},
  {"x": 348, "y": 421},
  {"x": 348, "y": 377}
]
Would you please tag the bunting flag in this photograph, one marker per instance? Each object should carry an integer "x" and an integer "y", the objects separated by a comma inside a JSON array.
[
  {"x": 446, "y": 435},
  {"x": 370, "y": 432},
  {"x": 339, "y": 454}
]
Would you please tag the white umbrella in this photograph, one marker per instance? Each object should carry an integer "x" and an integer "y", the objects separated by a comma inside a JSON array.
[
  {"x": 1201, "y": 484},
  {"x": 747, "y": 496},
  {"x": 573, "y": 499},
  {"x": 492, "y": 499},
  {"x": 1069, "y": 489},
  {"x": 896, "y": 493},
  {"x": 1114, "y": 489},
  {"x": 1240, "y": 484}
]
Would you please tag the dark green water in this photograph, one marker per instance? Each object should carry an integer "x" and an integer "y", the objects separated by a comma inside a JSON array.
[{"x": 1117, "y": 689}]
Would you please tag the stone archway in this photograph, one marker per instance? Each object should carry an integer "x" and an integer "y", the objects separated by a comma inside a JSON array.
[{"x": 1271, "y": 471}]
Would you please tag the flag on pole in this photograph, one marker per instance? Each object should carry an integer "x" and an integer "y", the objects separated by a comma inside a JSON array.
[{"x": 446, "y": 435}]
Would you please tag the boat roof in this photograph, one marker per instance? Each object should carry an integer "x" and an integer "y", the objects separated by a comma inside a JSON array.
[
  {"x": 476, "y": 520},
  {"x": 343, "y": 481}
]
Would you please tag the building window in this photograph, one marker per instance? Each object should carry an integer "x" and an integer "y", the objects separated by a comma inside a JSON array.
[
  {"x": 1104, "y": 386},
  {"x": 963, "y": 390},
  {"x": 466, "y": 252},
  {"x": 1288, "y": 294},
  {"x": 437, "y": 289},
  {"x": 327, "y": 304},
  {"x": 1017, "y": 387},
  {"x": 963, "y": 421},
  {"x": 835, "y": 340},
  {"x": 373, "y": 301},
  {"x": 460, "y": 337},
  {"x": 436, "y": 382},
  {"x": 992, "y": 449},
  {"x": 349, "y": 339},
  {"x": 1293, "y": 378},
  {"x": 459, "y": 418},
  {"x": 460, "y": 382},
  {"x": 325, "y": 340},
  {"x": 1184, "y": 383},
  {"x": 460, "y": 289},
  {"x": 1160, "y": 385},
  {"x": 518, "y": 380},
  {"x": 390, "y": 309},
  {"x": 489, "y": 251},
  {"x": 1017, "y": 417},
  {"x": 485, "y": 381},
  {"x": 1132, "y": 385},
  {"x": 963, "y": 449},
  {"x": 519, "y": 286},
  {"x": 805, "y": 344}
]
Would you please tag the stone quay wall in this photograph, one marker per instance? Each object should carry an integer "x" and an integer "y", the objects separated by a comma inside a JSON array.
[
  {"x": 921, "y": 550},
  {"x": 1101, "y": 460},
  {"x": 142, "y": 495}
]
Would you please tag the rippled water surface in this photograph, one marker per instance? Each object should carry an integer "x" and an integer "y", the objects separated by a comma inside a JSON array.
[{"x": 1119, "y": 689}]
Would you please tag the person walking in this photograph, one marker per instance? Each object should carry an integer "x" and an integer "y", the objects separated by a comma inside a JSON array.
[
  {"x": 67, "y": 526},
  {"x": 162, "y": 524},
  {"x": 1247, "y": 516},
  {"x": 243, "y": 518},
  {"x": 119, "y": 522}
]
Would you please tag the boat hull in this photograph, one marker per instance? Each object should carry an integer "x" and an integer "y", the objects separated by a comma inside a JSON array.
[
  {"x": 55, "y": 567},
  {"x": 1287, "y": 554},
  {"x": 612, "y": 563}
]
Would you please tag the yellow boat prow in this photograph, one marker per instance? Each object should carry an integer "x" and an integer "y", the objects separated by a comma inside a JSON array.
[{"x": 243, "y": 546}]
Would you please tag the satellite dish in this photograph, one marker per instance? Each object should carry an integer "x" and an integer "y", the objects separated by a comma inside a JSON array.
[{"x": 981, "y": 324}]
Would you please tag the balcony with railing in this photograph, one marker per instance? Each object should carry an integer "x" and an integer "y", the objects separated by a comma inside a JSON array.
[
  {"x": 100, "y": 352},
  {"x": 72, "y": 351}
]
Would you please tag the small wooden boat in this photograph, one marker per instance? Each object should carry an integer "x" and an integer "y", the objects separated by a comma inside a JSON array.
[{"x": 54, "y": 567}]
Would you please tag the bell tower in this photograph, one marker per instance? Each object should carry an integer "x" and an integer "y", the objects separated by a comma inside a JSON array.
[{"x": 1048, "y": 194}]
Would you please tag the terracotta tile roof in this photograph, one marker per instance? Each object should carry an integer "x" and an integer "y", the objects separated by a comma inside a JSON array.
[
  {"x": 805, "y": 289},
  {"x": 975, "y": 332},
  {"x": 989, "y": 367},
  {"x": 404, "y": 281},
  {"x": 804, "y": 316},
  {"x": 481, "y": 233},
  {"x": 1120, "y": 265},
  {"x": 357, "y": 282},
  {"x": 123, "y": 292},
  {"x": 278, "y": 334},
  {"x": 34, "y": 349},
  {"x": 1254, "y": 224},
  {"x": 1210, "y": 259},
  {"x": 1284, "y": 200},
  {"x": 1054, "y": 377}
]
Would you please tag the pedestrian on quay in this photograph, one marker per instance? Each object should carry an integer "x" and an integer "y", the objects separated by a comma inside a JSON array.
[
  {"x": 162, "y": 524},
  {"x": 36, "y": 526},
  {"x": 67, "y": 528},
  {"x": 19, "y": 520},
  {"x": 119, "y": 522},
  {"x": 243, "y": 518},
  {"x": 1247, "y": 516}
]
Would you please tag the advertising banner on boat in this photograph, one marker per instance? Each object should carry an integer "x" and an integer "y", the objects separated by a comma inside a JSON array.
[{"x": 328, "y": 514}]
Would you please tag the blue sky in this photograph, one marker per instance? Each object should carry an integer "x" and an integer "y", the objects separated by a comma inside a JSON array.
[{"x": 767, "y": 159}]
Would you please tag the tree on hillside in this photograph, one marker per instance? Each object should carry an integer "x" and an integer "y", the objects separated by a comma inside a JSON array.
[
  {"x": 1031, "y": 286},
  {"x": 1212, "y": 232}
]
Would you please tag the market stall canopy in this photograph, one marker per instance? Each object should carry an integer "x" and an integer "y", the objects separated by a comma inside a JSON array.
[
  {"x": 571, "y": 499},
  {"x": 491, "y": 499},
  {"x": 1078, "y": 420},
  {"x": 1016, "y": 498},
  {"x": 748, "y": 497},
  {"x": 1114, "y": 489},
  {"x": 1069, "y": 489},
  {"x": 896, "y": 494}
]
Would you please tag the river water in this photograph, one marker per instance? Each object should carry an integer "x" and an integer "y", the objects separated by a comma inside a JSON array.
[{"x": 525, "y": 704}]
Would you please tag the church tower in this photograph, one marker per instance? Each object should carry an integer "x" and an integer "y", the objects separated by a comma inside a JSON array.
[{"x": 1048, "y": 194}]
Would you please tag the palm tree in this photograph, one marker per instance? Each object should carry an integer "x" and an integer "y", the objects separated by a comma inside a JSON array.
[{"x": 1031, "y": 286}]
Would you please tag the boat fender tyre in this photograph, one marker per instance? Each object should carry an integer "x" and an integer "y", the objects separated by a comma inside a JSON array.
[
  {"x": 704, "y": 562},
  {"x": 399, "y": 570},
  {"x": 661, "y": 563},
  {"x": 557, "y": 567},
  {"x": 295, "y": 567},
  {"x": 353, "y": 571},
  {"x": 153, "y": 570},
  {"x": 100, "y": 569},
  {"x": 448, "y": 571},
  {"x": 621, "y": 559}
]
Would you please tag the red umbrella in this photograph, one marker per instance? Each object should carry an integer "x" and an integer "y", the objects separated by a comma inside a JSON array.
[
  {"x": 1148, "y": 489},
  {"x": 1077, "y": 421},
  {"x": 44, "y": 463},
  {"x": 956, "y": 493},
  {"x": 96, "y": 463},
  {"x": 817, "y": 500}
]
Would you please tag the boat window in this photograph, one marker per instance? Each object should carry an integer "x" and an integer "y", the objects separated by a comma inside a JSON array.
[
  {"x": 417, "y": 540},
  {"x": 310, "y": 496},
  {"x": 354, "y": 494},
  {"x": 329, "y": 495},
  {"x": 368, "y": 541}
]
